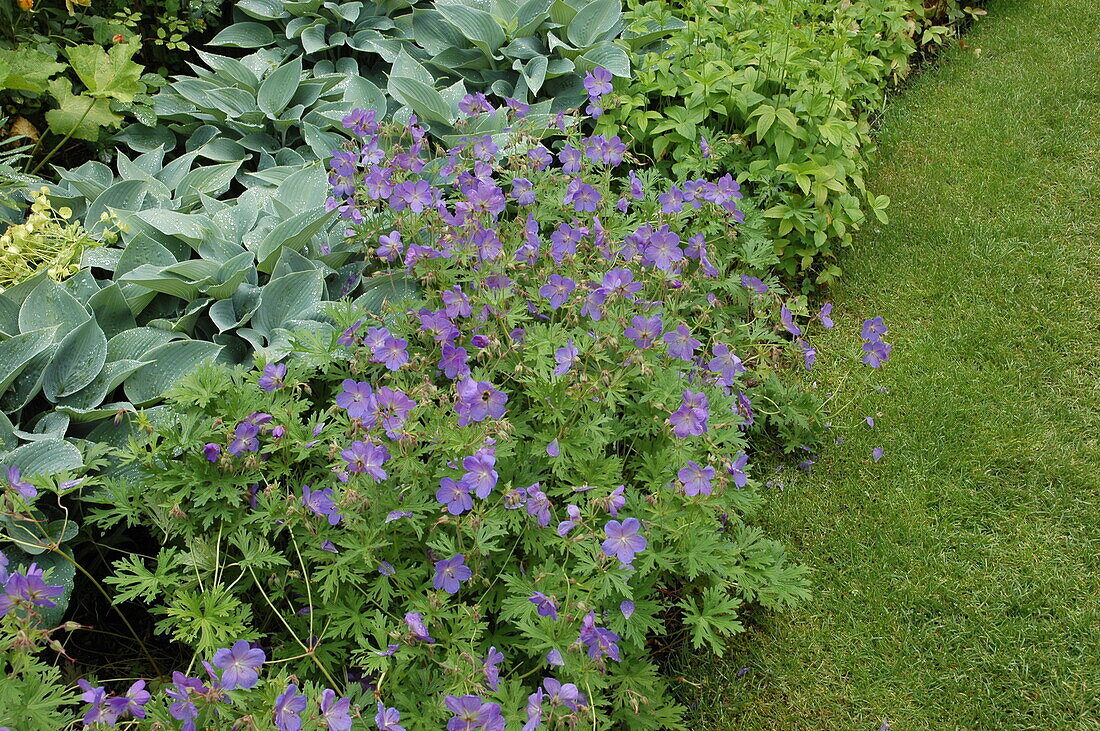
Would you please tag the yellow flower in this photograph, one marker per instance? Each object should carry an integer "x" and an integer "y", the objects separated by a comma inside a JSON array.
[{"x": 26, "y": 5}]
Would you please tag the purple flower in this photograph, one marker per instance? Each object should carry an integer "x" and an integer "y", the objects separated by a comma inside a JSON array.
[
  {"x": 809, "y": 353},
  {"x": 876, "y": 453},
  {"x": 357, "y": 398},
  {"x": 565, "y": 357},
  {"x": 644, "y": 331},
  {"x": 554, "y": 658},
  {"x": 454, "y": 495},
  {"x": 623, "y": 540},
  {"x": 523, "y": 191},
  {"x": 540, "y": 156},
  {"x": 606, "y": 150},
  {"x": 416, "y": 195},
  {"x": 239, "y": 664},
  {"x": 725, "y": 364},
  {"x": 321, "y": 503},
  {"x": 704, "y": 147},
  {"x": 415, "y": 622},
  {"x": 563, "y": 241},
  {"x": 544, "y": 605},
  {"x": 481, "y": 475},
  {"x": 96, "y": 698},
  {"x": 692, "y": 416},
  {"x": 616, "y": 500},
  {"x": 288, "y": 709},
  {"x": 492, "y": 669},
  {"x": 246, "y": 438},
  {"x": 562, "y": 694},
  {"x": 474, "y": 104},
  {"x": 600, "y": 641},
  {"x": 336, "y": 712},
  {"x": 470, "y": 712},
  {"x": 132, "y": 703},
  {"x": 273, "y": 376},
  {"x": 387, "y": 719},
  {"x": 451, "y": 572},
  {"x": 824, "y": 315},
  {"x": 754, "y": 283},
  {"x": 787, "y": 319},
  {"x": 17, "y": 483},
  {"x": 557, "y": 290},
  {"x": 392, "y": 353},
  {"x": 389, "y": 247},
  {"x": 366, "y": 457},
  {"x": 870, "y": 421},
  {"x": 212, "y": 452},
  {"x": 347, "y": 338},
  {"x": 737, "y": 470},
  {"x": 485, "y": 198},
  {"x": 182, "y": 692},
  {"x": 627, "y": 608},
  {"x": 876, "y": 352},
  {"x": 570, "y": 158},
  {"x": 583, "y": 196},
  {"x": 553, "y": 449},
  {"x": 695, "y": 479},
  {"x": 453, "y": 361},
  {"x": 874, "y": 328},
  {"x": 663, "y": 249},
  {"x": 680, "y": 343},
  {"x": 392, "y": 408},
  {"x": 385, "y": 568},
  {"x": 455, "y": 302},
  {"x": 597, "y": 83},
  {"x": 538, "y": 504},
  {"x": 478, "y": 400}
]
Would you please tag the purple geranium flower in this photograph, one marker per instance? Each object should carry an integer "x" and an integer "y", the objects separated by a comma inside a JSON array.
[
  {"x": 570, "y": 158},
  {"x": 451, "y": 572},
  {"x": 824, "y": 314},
  {"x": 787, "y": 320},
  {"x": 470, "y": 712},
  {"x": 478, "y": 400},
  {"x": 17, "y": 483},
  {"x": 538, "y": 504},
  {"x": 239, "y": 664},
  {"x": 415, "y": 622},
  {"x": 212, "y": 452},
  {"x": 481, "y": 475},
  {"x": 876, "y": 352},
  {"x": 644, "y": 331},
  {"x": 737, "y": 470},
  {"x": 246, "y": 438},
  {"x": 557, "y": 290},
  {"x": 387, "y": 719},
  {"x": 696, "y": 479},
  {"x": 321, "y": 503},
  {"x": 132, "y": 703},
  {"x": 600, "y": 642},
  {"x": 288, "y": 709},
  {"x": 597, "y": 83},
  {"x": 454, "y": 495},
  {"x": 754, "y": 283},
  {"x": 692, "y": 416},
  {"x": 357, "y": 398},
  {"x": 544, "y": 605},
  {"x": 623, "y": 540},
  {"x": 392, "y": 352},
  {"x": 273, "y": 376},
  {"x": 680, "y": 343},
  {"x": 874, "y": 328},
  {"x": 725, "y": 364},
  {"x": 367, "y": 457},
  {"x": 565, "y": 357},
  {"x": 492, "y": 668}
]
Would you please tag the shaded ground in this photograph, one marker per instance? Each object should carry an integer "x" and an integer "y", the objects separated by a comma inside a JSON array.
[{"x": 957, "y": 582}]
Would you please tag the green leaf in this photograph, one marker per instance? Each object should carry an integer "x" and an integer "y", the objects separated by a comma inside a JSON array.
[
  {"x": 17, "y": 352},
  {"x": 428, "y": 103},
  {"x": 45, "y": 457},
  {"x": 80, "y": 116},
  {"x": 27, "y": 69},
  {"x": 138, "y": 343},
  {"x": 78, "y": 360},
  {"x": 244, "y": 35},
  {"x": 477, "y": 25},
  {"x": 111, "y": 311},
  {"x": 278, "y": 88},
  {"x": 295, "y": 232},
  {"x": 380, "y": 290},
  {"x": 592, "y": 21},
  {"x": 170, "y": 362},
  {"x": 50, "y": 305},
  {"x": 111, "y": 74},
  {"x": 607, "y": 55},
  {"x": 290, "y": 297}
]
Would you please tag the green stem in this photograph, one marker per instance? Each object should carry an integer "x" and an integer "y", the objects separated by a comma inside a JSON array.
[{"x": 64, "y": 139}]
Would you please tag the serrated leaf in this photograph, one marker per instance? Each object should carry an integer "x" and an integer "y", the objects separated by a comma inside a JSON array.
[
  {"x": 80, "y": 116},
  {"x": 27, "y": 69},
  {"x": 108, "y": 74}
]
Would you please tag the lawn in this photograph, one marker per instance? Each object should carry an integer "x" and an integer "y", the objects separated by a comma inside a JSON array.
[{"x": 956, "y": 581}]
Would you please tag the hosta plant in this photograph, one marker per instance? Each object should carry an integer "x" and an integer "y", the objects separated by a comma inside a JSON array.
[{"x": 486, "y": 502}]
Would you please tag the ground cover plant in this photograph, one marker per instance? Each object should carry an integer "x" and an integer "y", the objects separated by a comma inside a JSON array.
[{"x": 542, "y": 457}]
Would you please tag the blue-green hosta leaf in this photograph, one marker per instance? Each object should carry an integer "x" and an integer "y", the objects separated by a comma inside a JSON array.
[
  {"x": 293, "y": 233},
  {"x": 387, "y": 288},
  {"x": 96, "y": 413},
  {"x": 189, "y": 228},
  {"x": 534, "y": 72},
  {"x": 48, "y": 305},
  {"x": 140, "y": 138},
  {"x": 81, "y": 285},
  {"x": 85, "y": 404},
  {"x": 210, "y": 180},
  {"x": 428, "y": 104},
  {"x": 231, "y": 275},
  {"x": 126, "y": 195},
  {"x": 593, "y": 21},
  {"x": 247, "y": 34},
  {"x": 17, "y": 352},
  {"x": 408, "y": 67},
  {"x": 607, "y": 55},
  {"x": 80, "y": 357},
  {"x": 233, "y": 312},
  {"x": 112, "y": 311},
  {"x": 170, "y": 362},
  {"x": 481, "y": 28},
  {"x": 158, "y": 279},
  {"x": 360, "y": 93},
  {"x": 138, "y": 343},
  {"x": 278, "y": 88},
  {"x": 531, "y": 15},
  {"x": 263, "y": 9},
  {"x": 28, "y": 383},
  {"x": 290, "y": 297},
  {"x": 9, "y": 316},
  {"x": 45, "y": 457}
]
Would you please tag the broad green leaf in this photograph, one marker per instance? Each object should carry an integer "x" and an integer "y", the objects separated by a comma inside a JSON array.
[
  {"x": 108, "y": 74},
  {"x": 17, "y": 352},
  {"x": 48, "y": 305},
  {"x": 111, "y": 311},
  {"x": 27, "y": 69},
  {"x": 244, "y": 35},
  {"x": 170, "y": 363},
  {"x": 606, "y": 55},
  {"x": 293, "y": 233},
  {"x": 477, "y": 25},
  {"x": 428, "y": 104},
  {"x": 45, "y": 457},
  {"x": 78, "y": 360},
  {"x": 79, "y": 116},
  {"x": 386, "y": 288},
  {"x": 592, "y": 21},
  {"x": 293, "y": 296},
  {"x": 136, "y": 344},
  {"x": 278, "y": 88}
]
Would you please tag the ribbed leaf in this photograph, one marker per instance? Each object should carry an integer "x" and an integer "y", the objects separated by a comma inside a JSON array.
[
  {"x": 17, "y": 352},
  {"x": 44, "y": 457},
  {"x": 78, "y": 360},
  {"x": 244, "y": 35},
  {"x": 592, "y": 21},
  {"x": 428, "y": 104},
  {"x": 287, "y": 298},
  {"x": 278, "y": 88},
  {"x": 170, "y": 362},
  {"x": 48, "y": 305}
]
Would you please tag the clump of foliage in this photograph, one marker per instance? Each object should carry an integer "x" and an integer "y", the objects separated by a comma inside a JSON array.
[
  {"x": 783, "y": 93},
  {"x": 489, "y": 499}
]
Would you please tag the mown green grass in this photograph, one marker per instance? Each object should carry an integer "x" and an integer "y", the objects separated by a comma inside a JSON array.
[{"x": 957, "y": 582}]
